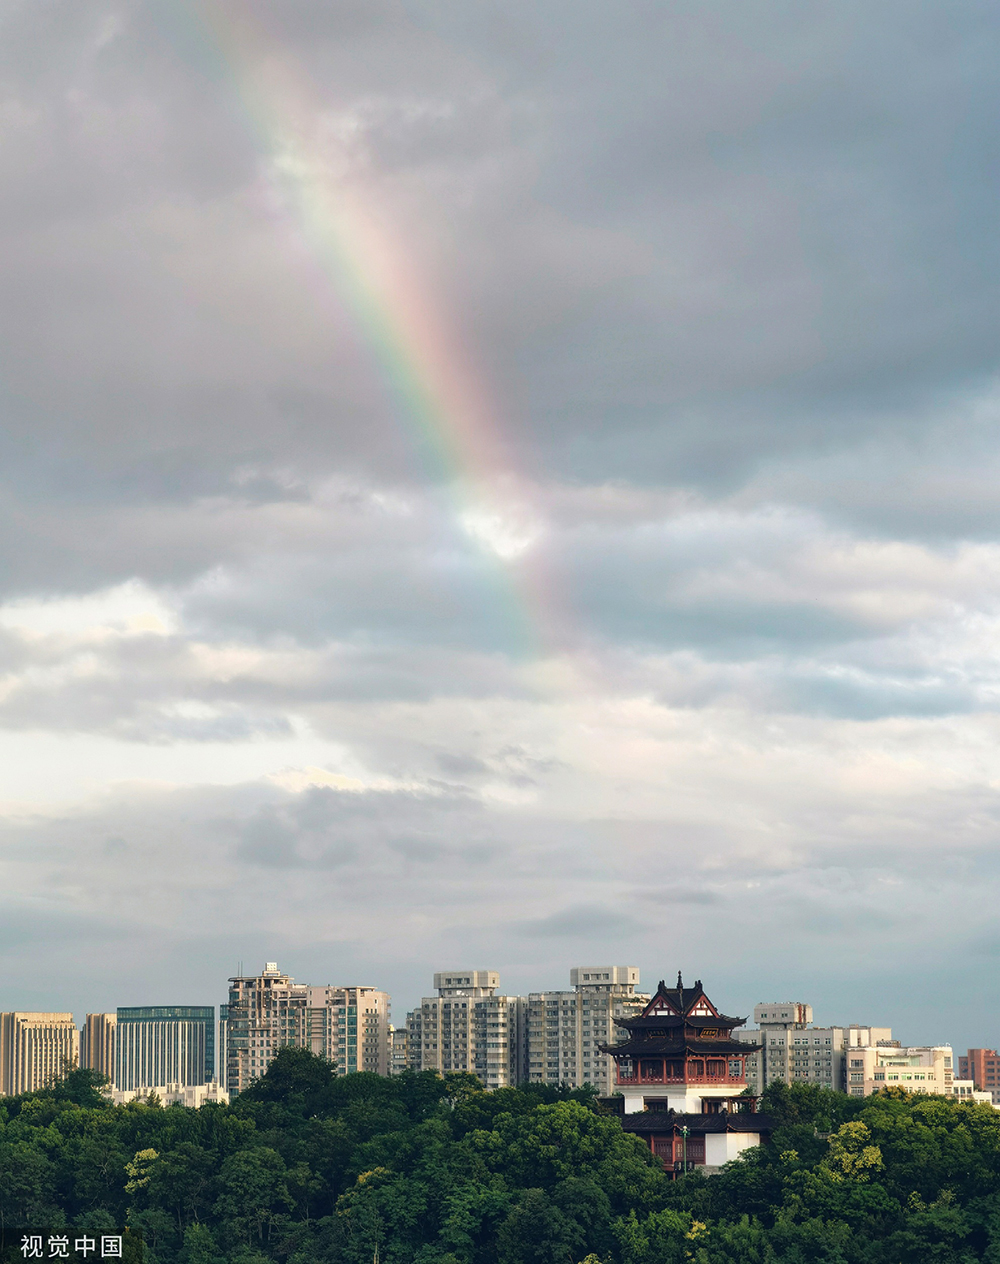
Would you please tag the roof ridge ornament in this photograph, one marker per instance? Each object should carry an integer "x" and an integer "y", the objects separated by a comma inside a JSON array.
[{"x": 680, "y": 985}]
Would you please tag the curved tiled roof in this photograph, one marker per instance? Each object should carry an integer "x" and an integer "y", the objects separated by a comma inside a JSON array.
[
  {"x": 655, "y": 1021},
  {"x": 679, "y": 1047},
  {"x": 661, "y": 1121}
]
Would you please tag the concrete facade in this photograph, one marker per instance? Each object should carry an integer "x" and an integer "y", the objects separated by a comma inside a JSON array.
[
  {"x": 793, "y": 1050},
  {"x": 97, "y": 1044},
  {"x": 348, "y": 1026},
  {"x": 469, "y": 1027},
  {"x": 564, "y": 1029},
  {"x": 36, "y": 1049},
  {"x": 916, "y": 1068}
]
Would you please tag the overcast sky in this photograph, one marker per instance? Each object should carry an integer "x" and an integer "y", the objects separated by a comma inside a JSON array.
[{"x": 502, "y": 485}]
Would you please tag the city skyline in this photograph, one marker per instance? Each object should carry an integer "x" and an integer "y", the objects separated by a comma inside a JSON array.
[
  {"x": 595, "y": 1033},
  {"x": 925, "y": 1030}
]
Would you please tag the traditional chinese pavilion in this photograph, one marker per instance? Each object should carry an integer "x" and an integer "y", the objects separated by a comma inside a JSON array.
[{"x": 682, "y": 1080}]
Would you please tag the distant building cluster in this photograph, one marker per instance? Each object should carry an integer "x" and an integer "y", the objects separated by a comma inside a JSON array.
[
  {"x": 545, "y": 1037},
  {"x": 858, "y": 1059},
  {"x": 167, "y": 1049},
  {"x": 348, "y": 1026},
  {"x": 577, "y": 1036}
]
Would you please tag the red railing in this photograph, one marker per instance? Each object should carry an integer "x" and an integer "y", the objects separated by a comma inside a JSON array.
[{"x": 690, "y": 1075}]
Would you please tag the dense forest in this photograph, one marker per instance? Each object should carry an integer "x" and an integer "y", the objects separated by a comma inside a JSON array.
[{"x": 308, "y": 1167}]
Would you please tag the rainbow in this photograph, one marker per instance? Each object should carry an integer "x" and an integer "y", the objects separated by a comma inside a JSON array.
[{"x": 436, "y": 396}]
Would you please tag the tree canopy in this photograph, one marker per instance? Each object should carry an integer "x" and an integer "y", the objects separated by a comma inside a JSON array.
[{"x": 308, "y": 1167}]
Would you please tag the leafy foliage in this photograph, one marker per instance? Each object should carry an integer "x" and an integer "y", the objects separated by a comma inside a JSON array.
[{"x": 309, "y": 1168}]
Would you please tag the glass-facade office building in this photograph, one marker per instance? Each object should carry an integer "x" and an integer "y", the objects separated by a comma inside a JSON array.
[{"x": 158, "y": 1045}]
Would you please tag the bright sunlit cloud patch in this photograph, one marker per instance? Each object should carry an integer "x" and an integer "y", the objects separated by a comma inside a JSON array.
[{"x": 129, "y": 609}]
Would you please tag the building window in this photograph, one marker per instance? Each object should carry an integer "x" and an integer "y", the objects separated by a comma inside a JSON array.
[{"x": 695, "y": 1149}]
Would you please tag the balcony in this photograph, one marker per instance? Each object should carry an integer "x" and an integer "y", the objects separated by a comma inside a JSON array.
[{"x": 693, "y": 1071}]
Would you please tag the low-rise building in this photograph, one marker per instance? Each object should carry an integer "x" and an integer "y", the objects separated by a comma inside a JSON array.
[
  {"x": 916, "y": 1068},
  {"x": 967, "y": 1092},
  {"x": 982, "y": 1066},
  {"x": 194, "y": 1096},
  {"x": 36, "y": 1049},
  {"x": 565, "y": 1030}
]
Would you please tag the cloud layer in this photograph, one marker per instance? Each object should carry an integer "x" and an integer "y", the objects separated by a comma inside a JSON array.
[{"x": 693, "y": 663}]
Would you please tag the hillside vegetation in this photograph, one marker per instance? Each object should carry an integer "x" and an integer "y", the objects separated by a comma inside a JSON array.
[{"x": 307, "y": 1168}]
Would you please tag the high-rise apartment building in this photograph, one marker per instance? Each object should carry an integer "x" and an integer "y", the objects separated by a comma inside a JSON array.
[
  {"x": 399, "y": 1057},
  {"x": 164, "y": 1044},
  {"x": 982, "y": 1067},
  {"x": 348, "y": 1026},
  {"x": 791, "y": 1049},
  {"x": 468, "y": 1027},
  {"x": 35, "y": 1050},
  {"x": 97, "y": 1044},
  {"x": 565, "y": 1029},
  {"x": 222, "y": 1046}
]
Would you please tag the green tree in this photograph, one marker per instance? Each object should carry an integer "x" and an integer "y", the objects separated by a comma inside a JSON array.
[
  {"x": 535, "y": 1231},
  {"x": 27, "y": 1185},
  {"x": 254, "y": 1195}
]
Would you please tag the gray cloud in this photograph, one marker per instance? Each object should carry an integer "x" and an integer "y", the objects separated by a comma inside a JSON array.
[
  {"x": 582, "y": 923},
  {"x": 689, "y": 631},
  {"x": 707, "y": 245}
]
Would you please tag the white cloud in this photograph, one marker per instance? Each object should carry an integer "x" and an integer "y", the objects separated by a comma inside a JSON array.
[{"x": 129, "y": 609}]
